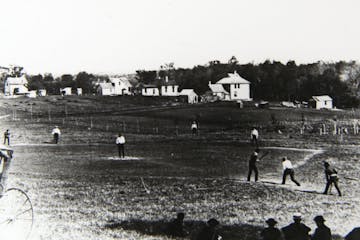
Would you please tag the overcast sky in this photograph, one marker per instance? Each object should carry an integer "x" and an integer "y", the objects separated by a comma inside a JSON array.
[{"x": 122, "y": 36}]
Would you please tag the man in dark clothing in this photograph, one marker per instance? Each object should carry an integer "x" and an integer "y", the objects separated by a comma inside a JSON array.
[
  {"x": 252, "y": 165},
  {"x": 271, "y": 232},
  {"x": 354, "y": 234},
  {"x": 176, "y": 227},
  {"x": 322, "y": 232},
  {"x": 209, "y": 232},
  {"x": 296, "y": 230},
  {"x": 7, "y": 137},
  {"x": 331, "y": 178}
]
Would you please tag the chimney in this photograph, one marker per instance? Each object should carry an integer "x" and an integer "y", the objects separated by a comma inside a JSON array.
[{"x": 166, "y": 79}]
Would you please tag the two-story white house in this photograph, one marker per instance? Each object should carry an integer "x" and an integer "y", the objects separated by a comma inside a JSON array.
[
  {"x": 150, "y": 90},
  {"x": 15, "y": 86},
  {"x": 169, "y": 88},
  {"x": 237, "y": 87}
]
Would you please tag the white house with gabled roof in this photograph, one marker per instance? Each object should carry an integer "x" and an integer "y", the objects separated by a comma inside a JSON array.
[
  {"x": 15, "y": 85},
  {"x": 192, "y": 97},
  {"x": 323, "y": 101},
  {"x": 237, "y": 87},
  {"x": 116, "y": 86},
  {"x": 169, "y": 88}
]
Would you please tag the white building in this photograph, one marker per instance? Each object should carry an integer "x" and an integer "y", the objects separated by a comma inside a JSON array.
[
  {"x": 320, "y": 102},
  {"x": 116, "y": 86},
  {"x": 150, "y": 90},
  {"x": 79, "y": 91},
  {"x": 169, "y": 88},
  {"x": 31, "y": 94},
  {"x": 192, "y": 97},
  {"x": 65, "y": 91},
  {"x": 237, "y": 87},
  {"x": 15, "y": 86},
  {"x": 42, "y": 92},
  {"x": 219, "y": 91}
]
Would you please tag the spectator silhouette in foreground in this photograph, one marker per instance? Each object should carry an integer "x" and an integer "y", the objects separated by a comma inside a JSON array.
[
  {"x": 296, "y": 230},
  {"x": 271, "y": 232},
  {"x": 209, "y": 232},
  {"x": 331, "y": 178},
  {"x": 354, "y": 234},
  {"x": 322, "y": 232},
  {"x": 176, "y": 226}
]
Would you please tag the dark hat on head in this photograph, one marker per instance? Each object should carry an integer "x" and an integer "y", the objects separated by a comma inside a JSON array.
[
  {"x": 257, "y": 150},
  {"x": 271, "y": 221},
  {"x": 213, "y": 222},
  {"x": 326, "y": 163},
  {"x": 319, "y": 219}
]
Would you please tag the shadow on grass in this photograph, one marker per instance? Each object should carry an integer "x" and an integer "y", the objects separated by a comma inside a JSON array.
[
  {"x": 158, "y": 228},
  {"x": 233, "y": 232}
]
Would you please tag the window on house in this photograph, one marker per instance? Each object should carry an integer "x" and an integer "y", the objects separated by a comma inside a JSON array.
[{"x": 154, "y": 91}]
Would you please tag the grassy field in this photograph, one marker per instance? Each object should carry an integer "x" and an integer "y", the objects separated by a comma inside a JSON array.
[{"x": 80, "y": 189}]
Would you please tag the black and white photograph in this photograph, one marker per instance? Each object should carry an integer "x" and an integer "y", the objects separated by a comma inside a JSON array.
[{"x": 184, "y": 120}]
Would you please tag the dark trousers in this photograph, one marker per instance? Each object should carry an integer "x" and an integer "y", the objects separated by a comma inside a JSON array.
[
  {"x": 290, "y": 172},
  {"x": 6, "y": 139},
  {"x": 253, "y": 168},
  {"x": 254, "y": 140},
  {"x": 56, "y": 137},
  {"x": 330, "y": 182},
  {"x": 194, "y": 131},
  {"x": 121, "y": 150}
]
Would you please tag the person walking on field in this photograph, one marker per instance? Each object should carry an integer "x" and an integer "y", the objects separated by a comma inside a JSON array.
[
  {"x": 254, "y": 158},
  {"x": 120, "y": 142},
  {"x": 56, "y": 134},
  {"x": 194, "y": 128},
  {"x": 296, "y": 230},
  {"x": 254, "y": 135},
  {"x": 288, "y": 170},
  {"x": 271, "y": 232},
  {"x": 7, "y": 137},
  {"x": 331, "y": 178},
  {"x": 322, "y": 232}
]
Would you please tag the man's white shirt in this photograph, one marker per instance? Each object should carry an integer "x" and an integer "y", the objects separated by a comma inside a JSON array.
[{"x": 120, "y": 140}]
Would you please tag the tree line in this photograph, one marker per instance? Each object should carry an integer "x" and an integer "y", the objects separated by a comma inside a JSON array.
[{"x": 272, "y": 80}]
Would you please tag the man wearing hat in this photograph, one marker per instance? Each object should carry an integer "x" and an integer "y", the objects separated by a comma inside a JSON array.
[
  {"x": 296, "y": 230},
  {"x": 209, "y": 232},
  {"x": 322, "y": 232},
  {"x": 176, "y": 227},
  {"x": 271, "y": 232},
  {"x": 331, "y": 178}
]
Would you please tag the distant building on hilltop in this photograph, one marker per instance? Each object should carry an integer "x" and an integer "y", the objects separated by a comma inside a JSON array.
[
  {"x": 15, "y": 86},
  {"x": 320, "y": 102}
]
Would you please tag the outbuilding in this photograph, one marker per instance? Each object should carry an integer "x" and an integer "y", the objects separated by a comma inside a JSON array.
[
  {"x": 192, "y": 97},
  {"x": 15, "y": 86},
  {"x": 320, "y": 102},
  {"x": 65, "y": 91}
]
